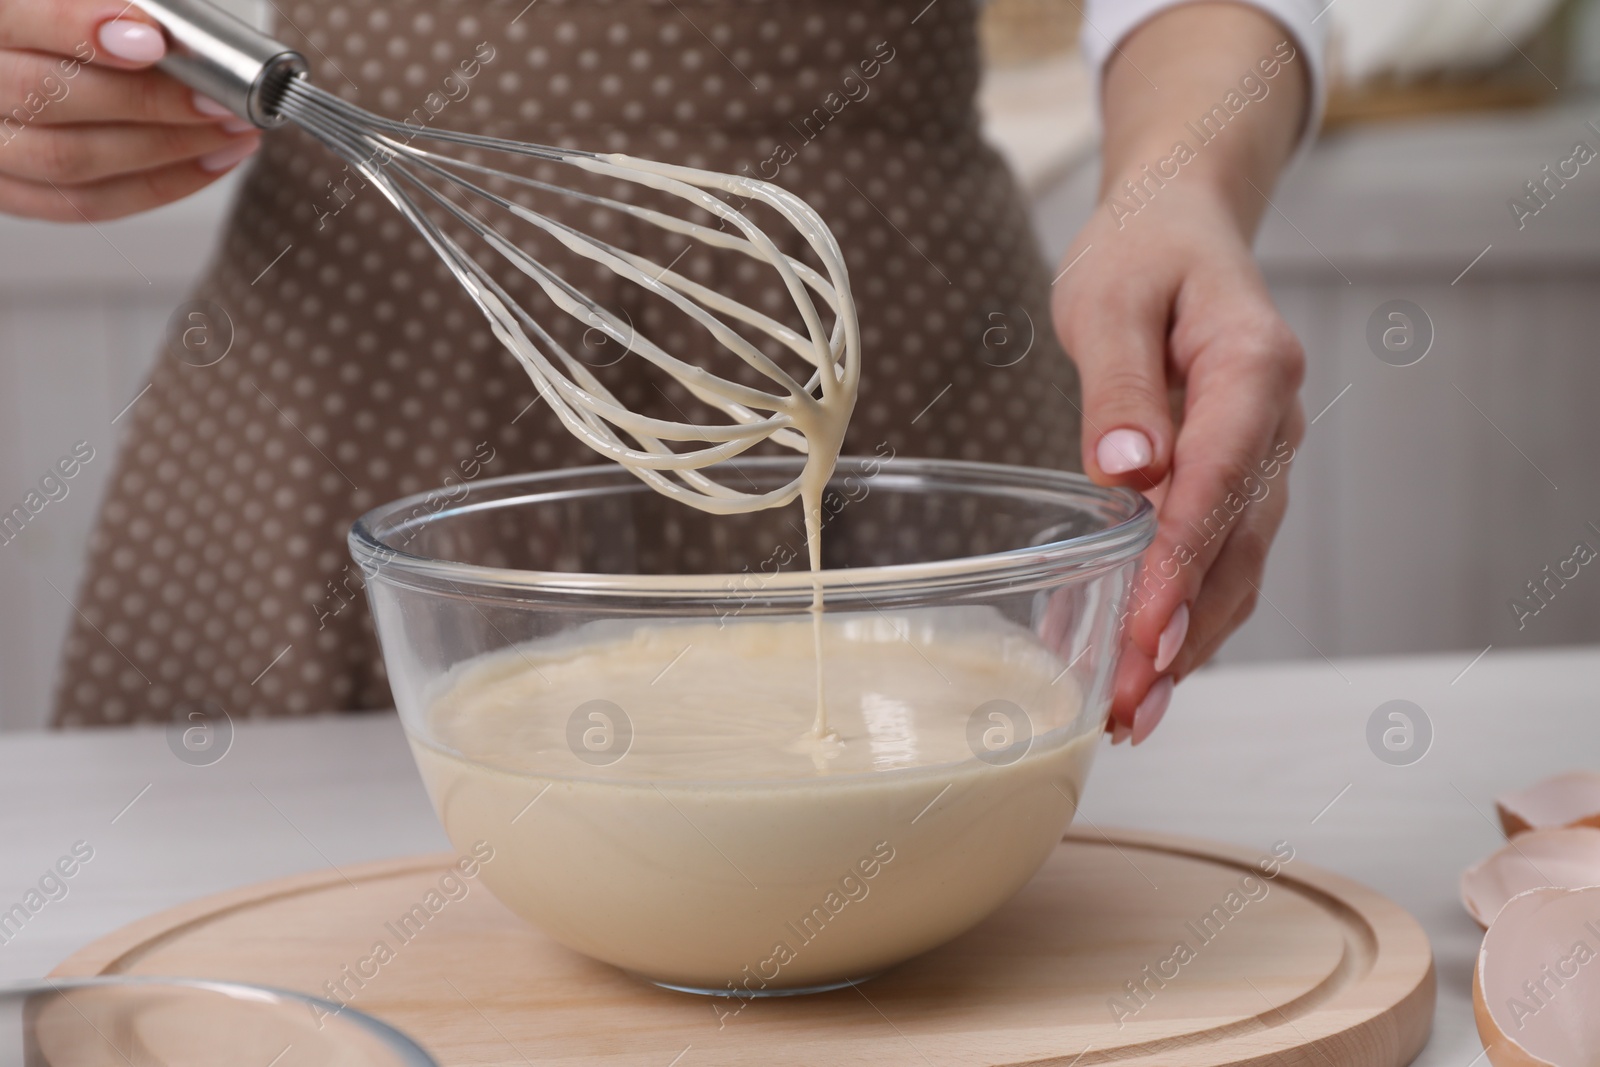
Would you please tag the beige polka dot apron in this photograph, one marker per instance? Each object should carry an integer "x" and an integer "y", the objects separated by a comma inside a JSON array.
[{"x": 359, "y": 373}]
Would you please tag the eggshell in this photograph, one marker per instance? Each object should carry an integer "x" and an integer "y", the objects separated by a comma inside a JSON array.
[
  {"x": 1565, "y": 859},
  {"x": 1571, "y": 799},
  {"x": 1536, "y": 987}
]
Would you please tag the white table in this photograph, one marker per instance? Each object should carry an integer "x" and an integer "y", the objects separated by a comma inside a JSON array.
[{"x": 1248, "y": 755}]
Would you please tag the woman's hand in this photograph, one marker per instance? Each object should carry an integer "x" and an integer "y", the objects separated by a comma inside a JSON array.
[
  {"x": 1179, "y": 302},
  {"x": 1190, "y": 378},
  {"x": 88, "y": 129}
]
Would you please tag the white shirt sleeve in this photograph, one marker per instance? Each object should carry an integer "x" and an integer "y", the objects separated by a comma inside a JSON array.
[{"x": 1106, "y": 23}]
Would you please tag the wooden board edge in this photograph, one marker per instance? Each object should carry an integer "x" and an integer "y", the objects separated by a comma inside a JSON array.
[
  {"x": 1396, "y": 1036},
  {"x": 1403, "y": 960},
  {"x": 104, "y": 953}
]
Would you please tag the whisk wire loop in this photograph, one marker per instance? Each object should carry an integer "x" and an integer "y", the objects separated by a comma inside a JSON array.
[{"x": 789, "y": 413}]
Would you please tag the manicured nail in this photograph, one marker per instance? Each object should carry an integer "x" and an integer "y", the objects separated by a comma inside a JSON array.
[
  {"x": 223, "y": 158},
  {"x": 137, "y": 42},
  {"x": 1119, "y": 732},
  {"x": 1121, "y": 451},
  {"x": 238, "y": 126},
  {"x": 1172, "y": 638},
  {"x": 1151, "y": 709},
  {"x": 207, "y": 106}
]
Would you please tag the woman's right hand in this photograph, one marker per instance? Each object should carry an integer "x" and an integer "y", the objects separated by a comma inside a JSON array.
[{"x": 89, "y": 129}]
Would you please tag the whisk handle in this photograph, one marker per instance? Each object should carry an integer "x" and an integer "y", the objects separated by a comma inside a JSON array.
[{"x": 236, "y": 65}]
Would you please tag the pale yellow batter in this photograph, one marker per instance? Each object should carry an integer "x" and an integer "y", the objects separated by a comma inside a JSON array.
[{"x": 723, "y": 847}]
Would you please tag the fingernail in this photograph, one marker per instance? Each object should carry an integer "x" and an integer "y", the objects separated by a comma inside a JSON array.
[
  {"x": 223, "y": 158},
  {"x": 238, "y": 126},
  {"x": 1172, "y": 638},
  {"x": 207, "y": 106},
  {"x": 1121, "y": 451},
  {"x": 1119, "y": 732},
  {"x": 1151, "y": 709},
  {"x": 138, "y": 42}
]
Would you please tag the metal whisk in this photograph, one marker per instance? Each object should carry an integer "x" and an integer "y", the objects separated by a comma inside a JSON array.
[{"x": 266, "y": 82}]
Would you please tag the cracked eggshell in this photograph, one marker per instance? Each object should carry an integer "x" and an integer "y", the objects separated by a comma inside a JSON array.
[
  {"x": 1536, "y": 987},
  {"x": 1571, "y": 799},
  {"x": 1565, "y": 859}
]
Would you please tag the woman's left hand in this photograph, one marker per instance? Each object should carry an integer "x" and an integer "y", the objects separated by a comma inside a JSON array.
[
  {"x": 1190, "y": 378},
  {"x": 1190, "y": 385}
]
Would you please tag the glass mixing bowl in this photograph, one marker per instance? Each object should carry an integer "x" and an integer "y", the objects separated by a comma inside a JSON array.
[
  {"x": 611, "y": 697},
  {"x": 135, "y": 1020}
]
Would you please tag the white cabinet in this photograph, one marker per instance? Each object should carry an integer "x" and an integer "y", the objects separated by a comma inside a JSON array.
[{"x": 82, "y": 312}]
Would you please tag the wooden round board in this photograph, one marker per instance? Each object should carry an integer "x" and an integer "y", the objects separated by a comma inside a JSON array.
[{"x": 1129, "y": 948}]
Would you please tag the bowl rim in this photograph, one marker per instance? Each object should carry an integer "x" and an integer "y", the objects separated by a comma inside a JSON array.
[
  {"x": 405, "y": 1050},
  {"x": 1081, "y": 556}
]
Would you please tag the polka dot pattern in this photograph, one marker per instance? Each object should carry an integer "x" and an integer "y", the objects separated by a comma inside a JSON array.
[{"x": 360, "y": 372}]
